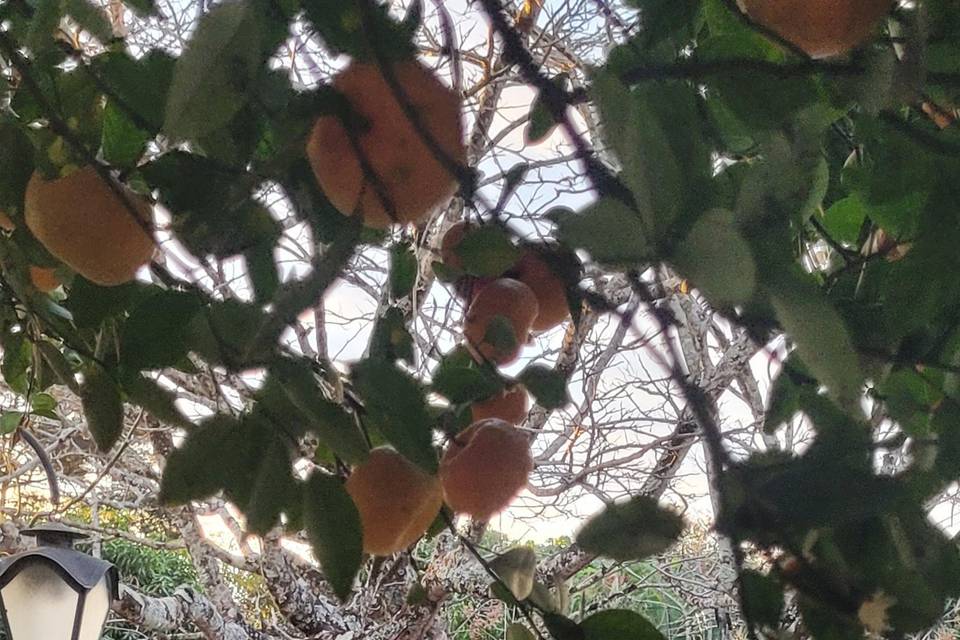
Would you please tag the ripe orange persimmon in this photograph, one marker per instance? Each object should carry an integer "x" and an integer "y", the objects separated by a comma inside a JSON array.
[
  {"x": 412, "y": 179},
  {"x": 821, "y": 28},
  {"x": 506, "y": 299},
  {"x": 84, "y": 223},
  {"x": 44, "y": 279},
  {"x": 397, "y": 501},
  {"x": 533, "y": 271},
  {"x": 485, "y": 467},
  {"x": 509, "y": 405}
]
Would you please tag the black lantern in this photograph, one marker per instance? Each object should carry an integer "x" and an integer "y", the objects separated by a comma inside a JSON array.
[{"x": 54, "y": 592}]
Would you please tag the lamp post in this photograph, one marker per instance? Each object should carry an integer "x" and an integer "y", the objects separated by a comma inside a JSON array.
[{"x": 54, "y": 592}]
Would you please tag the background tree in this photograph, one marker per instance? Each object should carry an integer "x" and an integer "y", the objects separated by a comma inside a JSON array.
[{"x": 756, "y": 247}]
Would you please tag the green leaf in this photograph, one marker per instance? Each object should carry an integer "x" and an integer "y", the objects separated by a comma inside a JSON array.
[
  {"x": 156, "y": 400},
  {"x": 271, "y": 489},
  {"x": 403, "y": 270},
  {"x": 619, "y": 624},
  {"x": 396, "y": 405},
  {"x": 42, "y": 403},
  {"x": 9, "y": 421},
  {"x": 486, "y": 251},
  {"x": 346, "y": 28},
  {"x": 46, "y": 19},
  {"x": 844, "y": 219},
  {"x": 391, "y": 339},
  {"x": 90, "y": 17},
  {"x": 17, "y": 356},
  {"x": 123, "y": 142},
  {"x": 631, "y": 530},
  {"x": 102, "y": 406},
  {"x": 329, "y": 421},
  {"x": 212, "y": 76},
  {"x": 333, "y": 527},
  {"x": 460, "y": 379},
  {"x": 500, "y": 334},
  {"x": 821, "y": 336},
  {"x": 608, "y": 230},
  {"x": 91, "y": 304},
  {"x": 547, "y": 385},
  {"x": 541, "y": 123},
  {"x": 16, "y": 166},
  {"x": 155, "y": 334},
  {"x": 517, "y": 631},
  {"x": 516, "y": 568},
  {"x": 763, "y": 598},
  {"x": 563, "y": 628},
  {"x": 716, "y": 258},
  {"x": 202, "y": 465},
  {"x": 224, "y": 333}
]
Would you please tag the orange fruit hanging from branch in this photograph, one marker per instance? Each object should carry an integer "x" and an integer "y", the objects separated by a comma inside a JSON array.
[
  {"x": 83, "y": 221},
  {"x": 485, "y": 467},
  {"x": 509, "y": 405},
  {"x": 379, "y": 163},
  {"x": 397, "y": 501},
  {"x": 821, "y": 28},
  {"x": 499, "y": 319},
  {"x": 533, "y": 271}
]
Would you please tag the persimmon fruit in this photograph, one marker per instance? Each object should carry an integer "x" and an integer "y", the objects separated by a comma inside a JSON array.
[
  {"x": 509, "y": 405},
  {"x": 397, "y": 501},
  {"x": 820, "y": 28},
  {"x": 82, "y": 221},
  {"x": 533, "y": 271},
  {"x": 502, "y": 300},
  {"x": 44, "y": 278},
  {"x": 409, "y": 177},
  {"x": 485, "y": 467},
  {"x": 6, "y": 223}
]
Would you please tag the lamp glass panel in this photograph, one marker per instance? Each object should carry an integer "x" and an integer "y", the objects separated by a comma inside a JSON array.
[
  {"x": 39, "y": 604},
  {"x": 95, "y": 610}
]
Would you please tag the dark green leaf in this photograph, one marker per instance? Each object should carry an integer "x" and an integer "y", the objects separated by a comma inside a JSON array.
[
  {"x": 17, "y": 356},
  {"x": 391, "y": 339},
  {"x": 547, "y": 385},
  {"x": 331, "y": 423},
  {"x": 563, "y": 628},
  {"x": 459, "y": 378},
  {"x": 403, "y": 270},
  {"x": 155, "y": 334},
  {"x": 631, "y": 530},
  {"x": 91, "y": 18},
  {"x": 608, "y": 230},
  {"x": 333, "y": 526},
  {"x": 619, "y": 624},
  {"x": 91, "y": 304},
  {"x": 9, "y": 421},
  {"x": 718, "y": 260},
  {"x": 272, "y": 489},
  {"x": 159, "y": 402},
  {"x": 487, "y": 251},
  {"x": 396, "y": 405},
  {"x": 763, "y": 598},
  {"x": 212, "y": 76},
  {"x": 102, "y": 406},
  {"x": 202, "y": 465}
]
